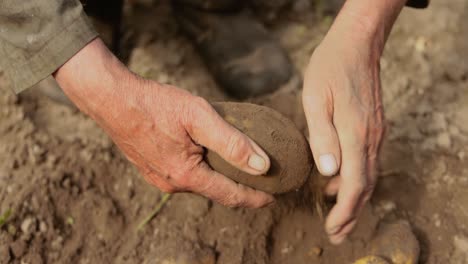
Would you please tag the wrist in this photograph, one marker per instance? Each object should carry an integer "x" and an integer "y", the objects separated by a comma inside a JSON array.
[
  {"x": 94, "y": 78},
  {"x": 366, "y": 23}
]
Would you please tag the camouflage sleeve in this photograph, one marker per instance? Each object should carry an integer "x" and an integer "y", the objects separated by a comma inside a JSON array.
[
  {"x": 38, "y": 36},
  {"x": 418, "y": 3}
]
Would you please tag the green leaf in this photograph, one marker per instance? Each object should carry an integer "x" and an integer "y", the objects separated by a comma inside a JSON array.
[{"x": 4, "y": 217}]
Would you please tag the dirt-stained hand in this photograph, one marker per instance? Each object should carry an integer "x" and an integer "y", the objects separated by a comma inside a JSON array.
[
  {"x": 163, "y": 130},
  {"x": 343, "y": 106}
]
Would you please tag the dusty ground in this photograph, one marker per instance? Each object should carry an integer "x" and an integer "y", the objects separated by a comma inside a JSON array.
[{"x": 75, "y": 199}]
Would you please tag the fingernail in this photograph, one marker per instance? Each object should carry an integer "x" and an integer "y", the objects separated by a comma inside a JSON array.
[
  {"x": 328, "y": 166},
  {"x": 257, "y": 163},
  {"x": 334, "y": 230}
]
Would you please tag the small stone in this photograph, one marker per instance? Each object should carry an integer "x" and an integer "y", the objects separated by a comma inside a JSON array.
[
  {"x": 444, "y": 140},
  {"x": 461, "y": 243},
  {"x": 423, "y": 108},
  {"x": 301, "y": 5},
  {"x": 437, "y": 221},
  {"x": 5, "y": 253},
  {"x": 428, "y": 144},
  {"x": 316, "y": 251},
  {"x": 448, "y": 179},
  {"x": 75, "y": 190},
  {"x": 42, "y": 227},
  {"x": 388, "y": 206},
  {"x": 420, "y": 44},
  {"x": 36, "y": 149},
  {"x": 106, "y": 157},
  {"x": 51, "y": 161},
  {"x": 454, "y": 131},
  {"x": 461, "y": 155},
  {"x": 461, "y": 118},
  {"x": 66, "y": 183},
  {"x": 438, "y": 123},
  {"x": 86, "y": 155},
  {"x": 18, "y": 248},
  {"x": 163, "y": 78},
  {"x": 57, "y": 243},
  {"x": 299, "y": 234},
  {"x": 287, "y": 249},
  {"x": 11, "y": 229},
  {"x": 70, "y": 220}
]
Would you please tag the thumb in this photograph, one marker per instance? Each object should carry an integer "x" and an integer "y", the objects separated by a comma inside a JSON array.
[
  {"x": 209, "y": 129},
  {"x": 323, "y": 137}
]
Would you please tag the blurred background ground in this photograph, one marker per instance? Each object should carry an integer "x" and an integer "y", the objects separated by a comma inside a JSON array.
[{"x": 74, "y": 199}]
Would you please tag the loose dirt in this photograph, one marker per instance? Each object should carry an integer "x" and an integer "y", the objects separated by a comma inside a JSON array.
[
  {"x": 75, "y": 199},
  {"x": 290, "y": 156}
]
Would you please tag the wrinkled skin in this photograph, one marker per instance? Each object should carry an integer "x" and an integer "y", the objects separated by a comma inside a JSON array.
[
  {"x": 161, "y": 129},
  {"x": 343, "y": 106}
]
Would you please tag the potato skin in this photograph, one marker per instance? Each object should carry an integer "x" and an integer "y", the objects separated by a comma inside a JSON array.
[
  {"x": 289, "y": 152},
  {"x": 397, "y": 243},
  {"x": 371, "y": 260}
]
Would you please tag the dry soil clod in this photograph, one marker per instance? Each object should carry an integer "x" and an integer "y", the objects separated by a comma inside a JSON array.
[{"x": 289, "y": 152}]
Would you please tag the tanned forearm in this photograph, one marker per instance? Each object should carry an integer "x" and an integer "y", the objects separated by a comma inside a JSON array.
[
  {"x": 343, "y": 107},
  {"x": 368, "y": 22}
]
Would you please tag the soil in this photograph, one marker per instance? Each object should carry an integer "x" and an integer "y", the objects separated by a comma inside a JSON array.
[
  {"x": 75, "y": 199},
  {"x": 289, "y": 152}
]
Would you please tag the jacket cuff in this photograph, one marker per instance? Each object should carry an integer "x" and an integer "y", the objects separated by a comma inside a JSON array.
[
  {"x": 418, "y": 3},
  {"x": 58, "y": 50}
]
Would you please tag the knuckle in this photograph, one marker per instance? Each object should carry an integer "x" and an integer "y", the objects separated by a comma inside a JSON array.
[
  {"x": 184, "y": 179},
  {"x": 370, "y": 187},
  {"x": 377, "y": 130},
  {"x": 228, "y": 202},
  {"x": 237, "y": 148},
  {"x": 360, "y": 186},
  {"x": 257, "y": 204},
  {"x": 231, "y": 200},
  {"x": 361, "y": 130},
  {"x": 205, "y": 186},
  {"x": 187, "y": 175},
  {"x": 201, "y": 104},
  {"x": 196, "y": 108}
]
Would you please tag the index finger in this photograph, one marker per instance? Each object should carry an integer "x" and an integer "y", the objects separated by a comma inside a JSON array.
[
  {"x": 352, "y": 186},
  {"x": 225, "y": 191}
]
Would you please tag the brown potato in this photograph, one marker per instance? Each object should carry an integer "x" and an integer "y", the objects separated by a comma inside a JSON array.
[
  {"x": 371, "y": 260},
  {"x": 289, "y": 152},
  {"x": 397, "y": 243}
]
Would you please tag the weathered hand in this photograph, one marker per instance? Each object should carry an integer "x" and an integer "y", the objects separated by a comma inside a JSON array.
[
  {"x": 163, "y": 130},
  {"x": 343, "y": 106}
]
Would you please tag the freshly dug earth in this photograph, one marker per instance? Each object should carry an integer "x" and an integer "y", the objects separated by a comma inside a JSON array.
[
  {"x": 75, "y": 199},
  {"x": 290, "y": 156}
]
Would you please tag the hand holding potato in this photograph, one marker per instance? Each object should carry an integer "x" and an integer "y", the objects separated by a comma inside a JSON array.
[{"x": 161, "y": 129}]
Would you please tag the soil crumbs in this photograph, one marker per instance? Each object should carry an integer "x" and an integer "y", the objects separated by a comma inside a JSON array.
[{"x": 73, "y": 198}]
